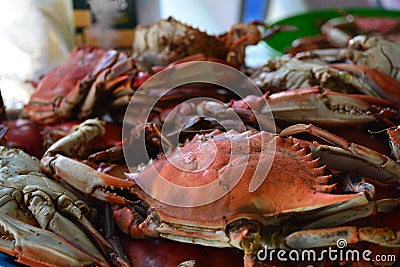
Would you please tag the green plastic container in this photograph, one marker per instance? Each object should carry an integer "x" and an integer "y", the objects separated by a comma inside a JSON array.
[{"x": 308, "y": 25}]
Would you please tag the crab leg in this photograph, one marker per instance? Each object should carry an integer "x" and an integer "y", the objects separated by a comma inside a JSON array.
[
  {"x": 87, "y": 180},
  {"x": 381, "y": 205},
  {"x": 3, "y": 131},
  {"x": 98, "y": 87},
  {"x": 33, "y": 245},
  {"x": 49, "y": 218},
  {"x": 329, "y": 237},
  {"x": 75, "y": 143},
  {"x": 11, "y": 201},
  {"x": 349, "y": 156},
  {"x": 95, "y": 184}
]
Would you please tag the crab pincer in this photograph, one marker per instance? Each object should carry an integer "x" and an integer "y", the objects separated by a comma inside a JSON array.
[
  {"x": 32, "y": 245},
  {"x": 252, "y": 210}
]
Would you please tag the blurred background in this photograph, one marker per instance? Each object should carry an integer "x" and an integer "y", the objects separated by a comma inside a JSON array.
[{"x": 38, "y": 35}]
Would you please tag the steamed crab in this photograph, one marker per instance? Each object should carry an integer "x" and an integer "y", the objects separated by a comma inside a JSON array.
[
  {"x": 249, "y": 214},
  {"x": 42, "y": 217},
  {"x": 95, "y": 82},
  {"x": 73, "y": 89},
  {"x": 280, "y": 74},
  {"x": 370, "y": 51},
  {"x": 303, "y": 105},
  {"x": 168, "y": 40},
  {"x": 370, "y": 57},
  {"x": 337, "y": 32}
]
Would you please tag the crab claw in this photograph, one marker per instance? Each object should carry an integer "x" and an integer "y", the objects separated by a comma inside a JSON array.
[
  {"x": 32, "y": 246},
  {"x": 87, "y": 180},
  {"x": 382, "y": 83},
  {"x": 312, "y": 105},
  {"x": 91, "y": 183}
]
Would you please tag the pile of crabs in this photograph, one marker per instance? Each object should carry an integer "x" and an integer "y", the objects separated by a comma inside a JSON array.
[{"x": 69, "y": 196}]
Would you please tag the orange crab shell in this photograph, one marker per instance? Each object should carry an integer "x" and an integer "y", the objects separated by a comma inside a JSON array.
[
  {"x": 152, "y": 252},
  {"x": 64, "y": 78},
  {"x": 295, "y": 183}
]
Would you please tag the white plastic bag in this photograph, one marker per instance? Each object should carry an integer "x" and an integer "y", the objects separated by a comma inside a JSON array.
[{"x": 35, "y": 37}]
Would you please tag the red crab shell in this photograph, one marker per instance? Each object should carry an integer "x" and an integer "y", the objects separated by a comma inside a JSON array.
[
  {"x": 60, "y": 81},
  {"x": 165, "y": 253},
  {"x": 25, "y": 135},
  {"x": 306, "y": 187}
]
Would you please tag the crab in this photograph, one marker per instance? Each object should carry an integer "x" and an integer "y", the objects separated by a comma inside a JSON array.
[
  {"x": 168, "y": 40},
  {"x": 280, "y": 74},
  {"x": 95, "y": 83},
  {"x": 337, "y": 32},
  {"x": 39, "y": 205},
  {"x": 249, "y": 210},
  {"x": 307, "y": 105},
  {"x": 340, "y": 30},
  {"x": 72, "y": 89},
  {"x": 370, "y": 51}
]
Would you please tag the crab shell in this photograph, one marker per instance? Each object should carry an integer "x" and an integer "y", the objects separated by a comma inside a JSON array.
[
  {"x": 61, "y": 81},
  {"x": 167, "y": 40},
  {"x": 294, "y": 184}
]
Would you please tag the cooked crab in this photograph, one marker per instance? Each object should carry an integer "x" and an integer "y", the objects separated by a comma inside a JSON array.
[
  {"x": 168, "y": 40},
  {"x": 223, "y": 194},
  {"x": 32, "y": 198}
]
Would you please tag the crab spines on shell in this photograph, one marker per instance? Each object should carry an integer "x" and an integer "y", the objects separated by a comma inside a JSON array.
[{"x": 359, "y": 158}]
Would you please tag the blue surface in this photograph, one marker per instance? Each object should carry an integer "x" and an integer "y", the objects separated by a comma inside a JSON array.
[
  {"x": 8, "y": 261},
  {"x": 254, "y": 10}
]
